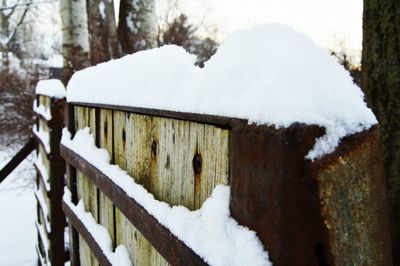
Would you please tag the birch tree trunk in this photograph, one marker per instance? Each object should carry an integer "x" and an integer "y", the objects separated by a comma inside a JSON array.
[
  {"x": 75, "y": 36},
  {"x": 102, "y": 31},
  {"x": 381, "y": 82},
  {"x": 137, "y": 25}
]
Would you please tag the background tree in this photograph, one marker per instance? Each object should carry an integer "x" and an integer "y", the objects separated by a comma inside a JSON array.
[
  {"x": 183, "y": 33},
  {"x": 102, "y": 31},
  {"x": 381, "y": 82},
  {"x": 137, "y": 25},
  {"x": 75, "y": 36},
  {"x": 11, "y": 18}
]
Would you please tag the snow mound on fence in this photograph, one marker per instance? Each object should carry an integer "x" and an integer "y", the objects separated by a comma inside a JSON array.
[
  {"x": 269, "y": 74},
  {"x": 51, "y": 87}
]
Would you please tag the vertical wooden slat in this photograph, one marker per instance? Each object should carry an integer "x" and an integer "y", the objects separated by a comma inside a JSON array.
[
  {"x": 85, "y": 117},
  {"x": 180, "y": 162},
  {"x": 132, "y": 133},
  {"x": 106, "y": 208}
]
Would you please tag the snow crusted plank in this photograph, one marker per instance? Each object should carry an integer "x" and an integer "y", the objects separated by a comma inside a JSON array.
[
  {"x": 43, "y": 137},
  {"x": 140, "y": 250},
  {"x": 43, "y": 207},
  {"x": 51, "y": 87},
  {"x": 106, "y": 142},
  {"x": 209, "y": 231},
  {"x": 270, "y": 75},
  {"x": 44, "y": 239},
  {"x": 98, "y": 232},
  {"x": 43, "y": 171},
  {"x": 42, "y": 110},
  {"x": 85, "y": 117}
]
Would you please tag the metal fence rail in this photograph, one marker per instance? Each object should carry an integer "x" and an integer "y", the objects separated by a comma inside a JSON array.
[{"x": 18, "y": 158}]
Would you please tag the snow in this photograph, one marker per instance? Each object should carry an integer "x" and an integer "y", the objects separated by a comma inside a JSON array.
[
  {"x": 210, "y": 231},
  {"x": 51, "y": 87},
  {"x": 18, "y": 211},
  {"x": 42, "y": 110},
  {"x": 270, "y": 75},
  {"x": 43, "y": 136},
  {"x": 102, "y": 9},
  {"x": 120, "y": 257}
]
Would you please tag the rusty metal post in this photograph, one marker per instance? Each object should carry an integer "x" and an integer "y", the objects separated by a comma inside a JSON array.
[
  {"x": 57, "y": 170},
  {"x": 328, "y": 212}
]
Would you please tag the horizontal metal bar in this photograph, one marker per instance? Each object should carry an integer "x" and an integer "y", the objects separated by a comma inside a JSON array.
[
  {"x": 17, "y": 159},
  {"x": 220, "y": 121},
  {"x": 167, "y": 244},
  {"x": 83, "y": 231}
]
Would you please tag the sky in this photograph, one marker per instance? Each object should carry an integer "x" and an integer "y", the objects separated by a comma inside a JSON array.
[{"x": 332, "y": 24}]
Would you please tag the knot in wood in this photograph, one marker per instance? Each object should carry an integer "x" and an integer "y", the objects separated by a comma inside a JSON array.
[
  {"x": 154, "y": 149},
  {"x": 197, "y": 163}
]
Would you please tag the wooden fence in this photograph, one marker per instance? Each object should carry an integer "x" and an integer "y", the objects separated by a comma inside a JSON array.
[
  {"x": 50, "y": 168},
  {"x": 331, "y": 211}
]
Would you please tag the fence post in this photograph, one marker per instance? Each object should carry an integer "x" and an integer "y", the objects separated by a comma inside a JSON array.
[
  {"x": 50, "y": 171},
  {"x": 332, "y": 211}
]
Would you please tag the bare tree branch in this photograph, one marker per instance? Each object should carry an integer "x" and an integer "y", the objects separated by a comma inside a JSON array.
[{"x": 23, "y": 5}]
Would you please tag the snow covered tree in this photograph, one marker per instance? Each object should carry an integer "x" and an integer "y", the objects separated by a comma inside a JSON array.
[
  {"x": 137, "y": 25},
  {"x": 381, "y": 82},
  {"x": 12, "y": 15},
  {"x": 75, "y": 35},
  {"x": 102, "y": 31}
]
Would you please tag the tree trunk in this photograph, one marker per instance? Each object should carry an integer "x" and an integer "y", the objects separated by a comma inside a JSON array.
[
  {"x": 102, "y": 31},
  {"x": 136, "y": 29},
  {"x": 75, "y": 48},
  {"x": 381, "y": 82}
]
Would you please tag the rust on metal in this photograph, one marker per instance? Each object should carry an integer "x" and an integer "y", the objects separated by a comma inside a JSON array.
[
  {"x": 354, "y": 201},
  {"x": 83, "y": 231},
  {"x": 328, "y": 212},
  {"x": 271, "y": 195},
  {"x": 170, "y": 247}
]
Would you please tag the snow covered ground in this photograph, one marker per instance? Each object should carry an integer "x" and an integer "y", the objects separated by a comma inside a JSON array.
[{"x": 17, "y": 211}]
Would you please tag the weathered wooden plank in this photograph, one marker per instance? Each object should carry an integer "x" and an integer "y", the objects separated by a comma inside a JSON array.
[
  {"x": 45, "y": 160},
  {"x": 132, "y": 153},
  {"x": 86, "y": 117},
  {"x": 45, "y": 101},
  {"x": 106, "y": 208},
  {"x": 124, "y": 234},
  {"x": 173, "y": 250},
  {"x": 190, "y": 159}
]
